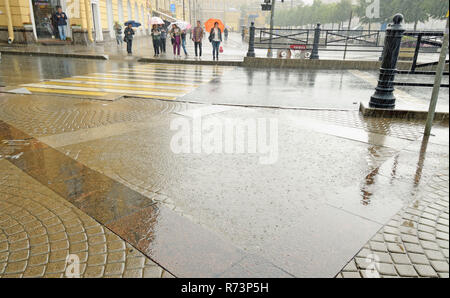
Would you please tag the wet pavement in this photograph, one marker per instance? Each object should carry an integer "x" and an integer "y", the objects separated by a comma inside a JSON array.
[{"x": 336, "y": 182}]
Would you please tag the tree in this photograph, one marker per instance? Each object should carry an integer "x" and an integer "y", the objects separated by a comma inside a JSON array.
[
  {"x": 386, "y": 12},
  {"x": 437, "y": 9},
  {"x": 414, "y": 11}
]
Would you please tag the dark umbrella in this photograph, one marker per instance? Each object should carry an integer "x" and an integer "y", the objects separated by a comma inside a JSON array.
[{"x": 133, "y": 23}]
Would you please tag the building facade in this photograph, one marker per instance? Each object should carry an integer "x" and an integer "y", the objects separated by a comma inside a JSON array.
[{"x": 90, "y": 21}]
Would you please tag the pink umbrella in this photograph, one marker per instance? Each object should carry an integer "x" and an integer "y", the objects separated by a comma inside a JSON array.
[
  {"x": 156, "y": 21},
  {"x": 181, "y": 24}
]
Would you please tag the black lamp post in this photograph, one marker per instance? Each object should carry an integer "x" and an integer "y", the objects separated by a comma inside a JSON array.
[
  {"x": 384, "y": 98},
  {"x": 251, "y": 41}
]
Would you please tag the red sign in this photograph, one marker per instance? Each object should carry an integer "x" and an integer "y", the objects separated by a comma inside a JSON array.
[{"x": 297, "y": 47}]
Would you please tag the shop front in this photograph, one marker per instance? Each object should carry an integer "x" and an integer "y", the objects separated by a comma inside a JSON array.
[{"x": 43, "y": 11}]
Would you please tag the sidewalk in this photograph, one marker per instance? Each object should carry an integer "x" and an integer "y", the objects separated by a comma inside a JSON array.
[{"x": 234, "y": 50}]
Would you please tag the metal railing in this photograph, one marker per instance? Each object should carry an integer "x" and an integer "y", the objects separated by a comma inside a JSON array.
[
  {"x": 328, "y": 40},
  {"x": 332, "y": 40}
]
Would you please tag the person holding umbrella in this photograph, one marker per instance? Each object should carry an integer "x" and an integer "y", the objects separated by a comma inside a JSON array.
[
  {"x": 129, "y": 32},
  {"x": 215, "y": 37},
  {"x": 175, "y": 34},
  {"x": 156, "y": 37}
]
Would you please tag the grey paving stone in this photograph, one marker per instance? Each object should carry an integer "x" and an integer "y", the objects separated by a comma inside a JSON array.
[
  {"x": 386, "y": 269},
  {"x": 396, "y": 248},
  {"x": 440, "y": 266},
  {"x": 351, "y": 275},
  {"x": 434, "y": 255},
  {"x": 426, "y": 236},
  {"x": 401, "y": 259},
  {"x": 351, "y": 266},
  {"x": 410, "y": 239},
  {"x": 419, "y": 259},
  {"x": 378, "y": 246},
  {"x": 406, "y": 271},
  {"x": 414, "y": 248},
  {"x": 426, "y": 271},
  {"x": 443, "y": 275},
  {"x": 392, "y": 238}
]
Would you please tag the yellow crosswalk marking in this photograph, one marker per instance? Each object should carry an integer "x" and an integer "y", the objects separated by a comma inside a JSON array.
[
  {"x": 73, "y": 92},
  {"x": 90, "y": 85},
  {"x": 163, "y": 81},
  {"x": 125, "y": 81},
  {"x": 129, "y": 76}
]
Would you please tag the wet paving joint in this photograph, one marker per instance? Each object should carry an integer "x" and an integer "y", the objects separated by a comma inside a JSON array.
[{"x": 164, "y": 81}]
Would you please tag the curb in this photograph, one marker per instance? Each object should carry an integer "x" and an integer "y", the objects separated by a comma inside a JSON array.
[
  {"x": 48, "y": 54},
  {"x": 318, "y": 64},
  {"x": 401, "y": 114},
  {"x": 193, "y": 62}
]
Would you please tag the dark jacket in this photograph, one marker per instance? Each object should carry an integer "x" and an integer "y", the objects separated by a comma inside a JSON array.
[
  {"x": 129, "y": 32},
  {"x": 60, "y": 18},
  {"x": 212, "y": 34}
]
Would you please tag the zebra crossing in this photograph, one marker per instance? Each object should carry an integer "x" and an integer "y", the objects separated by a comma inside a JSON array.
[{"x": 161, "y": 81}]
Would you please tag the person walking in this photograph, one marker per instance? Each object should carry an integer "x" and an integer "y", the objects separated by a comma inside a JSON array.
[
  {"x": 61, "y": 22},
  {"x": 225, "y": 32},
  {"x": 215, "y": 37},
  {"x": 175, "y": 35},
  {"x": 183, "y": 42},
  {"x": 197, "y": 39},
  {"x": 118, "y": 31},
  {"x": 163, "y": 39},
  {"x": 156, "y": 37},
  {"x": 129, "y": 32}
]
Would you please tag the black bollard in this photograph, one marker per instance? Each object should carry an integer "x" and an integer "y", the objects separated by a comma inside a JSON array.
[
  {"x": 383, "y": 97},
  {"x": 315, "y": 50},
  {"x": 251, "y": 41}
]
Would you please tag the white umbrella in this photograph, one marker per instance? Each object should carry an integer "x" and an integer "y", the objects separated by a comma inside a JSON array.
[
  {"x": 156, "y": 21},
  {"x": 180, "y": 24}
]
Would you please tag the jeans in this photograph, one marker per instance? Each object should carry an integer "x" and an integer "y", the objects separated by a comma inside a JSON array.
[
  {"x": 183, "y": 44},
  {"x": 129, "y": 46},
  {"x": 176, "y": 46},
  {"x": 156, "y": 46},
  {"x": 119, "y": 39},
  {"x": 199, "y": 51},
  {"x": 216, "y": 46},
  {"x": 62, "y": 29},
  {"x": 162, "y": 45}
]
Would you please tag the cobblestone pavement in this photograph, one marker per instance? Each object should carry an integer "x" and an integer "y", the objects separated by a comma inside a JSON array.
[
  {"x": 415, "y": 243},
  {"x": 39, "y": 230}
]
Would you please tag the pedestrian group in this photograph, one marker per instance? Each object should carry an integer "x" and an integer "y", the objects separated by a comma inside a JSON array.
[
  {"x": 178, "y": 38},
  {"x": 159, "y": 35}
]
